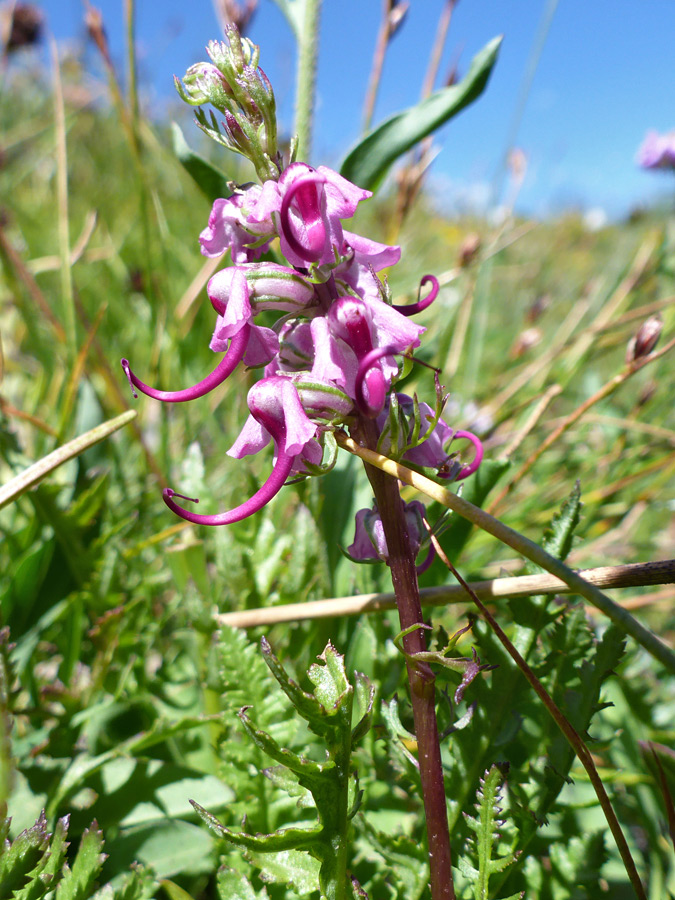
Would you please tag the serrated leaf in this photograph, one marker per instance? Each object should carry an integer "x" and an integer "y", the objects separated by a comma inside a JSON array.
[
  {"x": 282, "y": 840},
  {"x": 558, "y": 540},
  {"x": 78, "y": 880},
  {"x": 307, "y": 705},
  {"x": 298, "y": 870},
  {"x": 486, "y": 825},
  {"x": 369, "y": 161},
  {"x": 331, "y": 687},
  {"x": 282, "y": 778},
  {"x": 406, "y": 859},
  {"x": 140, "y": 885},
  {"x": 210, "y": 180},
  {"x": 19, "y": 859}
]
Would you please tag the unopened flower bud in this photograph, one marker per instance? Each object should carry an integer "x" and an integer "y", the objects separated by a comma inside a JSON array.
[
  {"x": 645, "y": 340},
  {"x": 204, "y": 83}
]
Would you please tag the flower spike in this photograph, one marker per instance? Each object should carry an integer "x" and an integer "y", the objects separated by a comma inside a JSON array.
[
  {"x": 309, "y": 203},
  {"x": 412, "y": 308},
  {"x": 280, "y": 472},
  {"x": 225, "y": 367}
]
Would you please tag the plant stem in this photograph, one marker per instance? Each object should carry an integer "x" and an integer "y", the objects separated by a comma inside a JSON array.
[
  {"x": 308, "y": 48},
  {"x": 401, "y": 562}
]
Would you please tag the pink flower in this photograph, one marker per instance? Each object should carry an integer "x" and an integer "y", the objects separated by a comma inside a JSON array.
[{"x": 657, "y": 151}]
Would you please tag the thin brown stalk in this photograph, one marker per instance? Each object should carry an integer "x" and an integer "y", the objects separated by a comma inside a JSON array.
[
  {"x": 531, "y": 420},
  {"x": 23, "y": 275},
  {"x": 388, "y": 26},
  {"x": 632, "y": 575},
  {"x": 605, "y": 391},
  {"x": 575, "y": 740},
  {"x": 62, "y": 205}
]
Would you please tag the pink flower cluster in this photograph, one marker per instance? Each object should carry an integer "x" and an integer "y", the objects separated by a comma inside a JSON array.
[{"x": 332, "y": 354}]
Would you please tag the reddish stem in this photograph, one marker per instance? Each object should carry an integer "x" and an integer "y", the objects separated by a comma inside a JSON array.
[{"x": 401, "y": 562}]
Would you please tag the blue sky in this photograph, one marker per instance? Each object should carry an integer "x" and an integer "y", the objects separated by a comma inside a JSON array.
[{"x": 605, "y": 76}]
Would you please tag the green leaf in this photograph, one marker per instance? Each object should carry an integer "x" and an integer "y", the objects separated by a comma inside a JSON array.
[
  {"x": 364, "y": 697},
  {"x": 558, "y": 540},
  {"x": 174, "y": 890},
  {"x": 77, "y": 882},
  {"x": 210, "y": 180},
  {"x": 50, "y": 869},
  {"x": 486, "y": 825},
  {"x": 309, "y": 707},
  {"x": 298, "y": 870},
  {"x": 283, "y": 840},
  {"x": 368, "y": 162},
  {"x": 282, "y": 777},
  {"x": 331, "y": 687},
  {"x": 39, "y": 470},
  {"x": 19, "y": 859},
  {"x": 232, "y": 885}
]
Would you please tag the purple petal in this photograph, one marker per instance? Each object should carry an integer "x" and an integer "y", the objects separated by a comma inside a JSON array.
[
  {"x": 263, "y": 346},
  {"x": 228, "y": 290}
]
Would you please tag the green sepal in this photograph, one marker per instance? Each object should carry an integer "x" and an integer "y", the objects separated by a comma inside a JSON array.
[
  {"x": 369, "y": 161},
  {"x": 284, "y": 839}
]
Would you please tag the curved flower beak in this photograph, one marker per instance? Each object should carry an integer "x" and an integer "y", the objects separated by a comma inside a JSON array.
[
  {"x": 280, "y": 472},
  {"x": 413, "y": 308},
  {"x": 275, "y": 406},
  {"x": 225, "y": 367}
]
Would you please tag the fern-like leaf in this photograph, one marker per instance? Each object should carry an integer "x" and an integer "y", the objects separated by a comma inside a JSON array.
[{"x": 486, "y": 827}]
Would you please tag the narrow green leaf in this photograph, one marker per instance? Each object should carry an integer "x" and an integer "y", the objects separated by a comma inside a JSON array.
[
  {"x": 307, "y": 769},
  {"x": 306, "y": 704},
  {"x": 174, "y": 890},
  {"x": 284, "y": 839},
  {"x": 368, "y": 162},
  {"x": 210, "y": 180},
  {"x": 35, "y": 473},
  {"x": 486, "y": 827}
]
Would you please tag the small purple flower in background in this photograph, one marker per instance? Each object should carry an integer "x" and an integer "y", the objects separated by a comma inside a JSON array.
[
  {"x": 657, "y": 151},
  {"x": 334, "y": 352}
]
